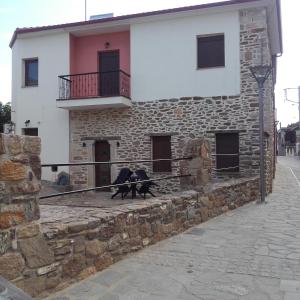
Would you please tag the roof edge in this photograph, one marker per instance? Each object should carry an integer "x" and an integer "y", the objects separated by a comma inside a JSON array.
[{"x": 127, "y": 17}]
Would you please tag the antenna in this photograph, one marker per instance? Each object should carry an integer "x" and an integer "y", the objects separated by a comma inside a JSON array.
[{"x": 85, "y": 10}]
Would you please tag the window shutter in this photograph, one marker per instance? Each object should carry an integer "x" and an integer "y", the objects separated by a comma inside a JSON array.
[{"x": 227, "y": 143}]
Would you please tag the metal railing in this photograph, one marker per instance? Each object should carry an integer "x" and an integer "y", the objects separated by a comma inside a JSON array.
[
  {"x": 94, "y": 84},
  {"x": 54, "y": 168},
  {"x": 230, "y": 165}
]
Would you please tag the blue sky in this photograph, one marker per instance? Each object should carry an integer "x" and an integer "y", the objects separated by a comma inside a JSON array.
[{"x": 27, "y": 13}]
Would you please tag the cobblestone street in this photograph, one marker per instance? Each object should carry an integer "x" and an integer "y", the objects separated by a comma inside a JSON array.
[{"x": 250, "y": 253}]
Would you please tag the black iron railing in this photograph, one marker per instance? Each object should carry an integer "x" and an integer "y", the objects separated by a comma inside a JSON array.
[
  {"x": 54, "y": 168},
  {"x": 93, "y": 85}
]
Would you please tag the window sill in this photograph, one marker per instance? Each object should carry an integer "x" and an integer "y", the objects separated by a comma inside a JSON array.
[
  {"x": 29, "y": 86},
  {"x": 210, "y": 68}
]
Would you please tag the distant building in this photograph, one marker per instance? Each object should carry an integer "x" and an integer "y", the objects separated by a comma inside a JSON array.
[{"x": 288, "y": 140}]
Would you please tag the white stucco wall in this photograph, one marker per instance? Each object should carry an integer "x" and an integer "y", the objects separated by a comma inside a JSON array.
[
  {"x": 38, "y": 104},
  {"x": 164, "y": 58}
]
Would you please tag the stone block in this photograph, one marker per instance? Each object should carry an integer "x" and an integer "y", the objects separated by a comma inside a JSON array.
[
  {"x": 114, "y": 243},
  {"x": 74, "y": 266},
  {"x": 32, "y": 145},
  {"x": 87, "y": 272},
  {"x": 12, "y": 171},
  {"x": 28, "y": 231},
  {"x": 2, "y": 148},
  {"x": 103, "y": 261},
  {"x": 26, "y": 187},
  {"x": 14, "y": 144},
  {"x": 21, "y": 158},
  {"x": 94, "y": 248},
  {"x": 11, "y": 218},
  {"x": 11, "y": 265},
  {"x": 35, "y": 164},
  {"x": 77, "y": 227},
  {"x": 79, "y": 245},
  {"x": 47, "y": 269},
  {"x": 36, "y": 252},
  {"x": 33, "y": 286},
  {"x": 5, "y": 241}
]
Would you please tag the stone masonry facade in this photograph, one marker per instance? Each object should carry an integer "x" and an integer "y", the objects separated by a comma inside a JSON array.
[
  {"x": 41, "y": 258},
  {"x": 130, "y": 131}
]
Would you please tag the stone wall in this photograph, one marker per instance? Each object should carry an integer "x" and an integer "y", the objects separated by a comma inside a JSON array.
[
  {"x": 129, "y": 131},
  {"x": 20, "y": 174},
  {"x": 85, "y": 247},
  {"x": 41, "y": 258}
]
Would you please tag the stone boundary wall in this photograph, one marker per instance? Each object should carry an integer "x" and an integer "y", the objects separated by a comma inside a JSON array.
[
  {"x": 42, "y": 258},
  {"x": 73, "y": 251}
]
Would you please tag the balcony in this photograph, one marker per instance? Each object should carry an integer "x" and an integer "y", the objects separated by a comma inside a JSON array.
[{"x": 94, "y": 90}]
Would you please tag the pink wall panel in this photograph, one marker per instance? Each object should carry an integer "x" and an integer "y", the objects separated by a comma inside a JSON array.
[{"x": 84, "y": 51}]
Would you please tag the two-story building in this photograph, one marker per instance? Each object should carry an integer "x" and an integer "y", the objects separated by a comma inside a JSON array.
[{"x": 139, "y": 86}]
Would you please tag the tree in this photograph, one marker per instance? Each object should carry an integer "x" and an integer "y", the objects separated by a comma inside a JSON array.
[{"x": 5, "y": 115}]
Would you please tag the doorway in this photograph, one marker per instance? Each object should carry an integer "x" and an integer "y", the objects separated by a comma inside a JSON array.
[
  {"x": 109, "y": 68},
  {"x": 31, "y": 131},
  {"x": 102, "y": 172}
]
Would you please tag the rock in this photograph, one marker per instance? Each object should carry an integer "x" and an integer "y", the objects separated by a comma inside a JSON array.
[
  {"x": 5, "y": 241},
  {"x": 114, "y": 243},
  {"x": 79, "y": 245},
  {"x": 2, "y": 148},
  {"x": 21, "y": 158},
  {"x": 74, "y": 266},
  {"x": 77, "y": 227},
  {"x": 133, "y": 230},
  {"x": 146, "y": 242},
  {"x": 87, "y": 272},
  {"x": 32, "y": 145},
  {"x": 36, "y": 252},
  {"x": 11, "y": 265},
  {"x": 33, "y": 286},
  {"x": 103, "y": 262},
  {"x": 94, "y": 248},
  {"x": 47, "y": 269},
  {"x": 14, "y": 144},
  {"x": 35, "y": 164},
  {"x": 145, "y": 230},
  {"x": 12, "y": 171},
  {"x": 28, "y": 231},
  {"x": 11, "y": 218},
  {"x": 53, "y": 280},
  {"x": 205, "y": 201}
]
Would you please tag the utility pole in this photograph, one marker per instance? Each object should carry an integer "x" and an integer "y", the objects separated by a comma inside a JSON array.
[
  {"x": 85, "y": 10},
  {"x": 261, "y": 73},
  {"x": 296, "y": 102}
]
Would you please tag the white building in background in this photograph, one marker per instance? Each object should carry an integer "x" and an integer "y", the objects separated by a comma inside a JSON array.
[{"x": 80, "y": 86}]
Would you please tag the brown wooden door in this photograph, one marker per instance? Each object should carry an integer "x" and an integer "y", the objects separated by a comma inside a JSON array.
[
  {"x": 161, "y": 149},
  {"x": 102, "y": 172},
  {"x": 109, "y": 66}
]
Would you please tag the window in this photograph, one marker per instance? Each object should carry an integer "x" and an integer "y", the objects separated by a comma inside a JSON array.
[
  {"x": 211, "y": 51},
  {"x": 31, "y": 131},
  {"x": 31, "y": 72},
  {"x": 227, "y": 152},
  {"x": 161, "y": 148}
]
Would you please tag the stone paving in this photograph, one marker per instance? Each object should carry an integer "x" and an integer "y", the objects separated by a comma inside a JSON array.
[{"x": 251, "y": 253}]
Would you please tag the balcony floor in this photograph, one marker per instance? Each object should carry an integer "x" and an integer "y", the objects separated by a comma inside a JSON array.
[{"x": 94, "y": 103}]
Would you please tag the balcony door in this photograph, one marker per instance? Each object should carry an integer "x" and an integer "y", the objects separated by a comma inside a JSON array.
[{"x": 109, "y": 66}]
